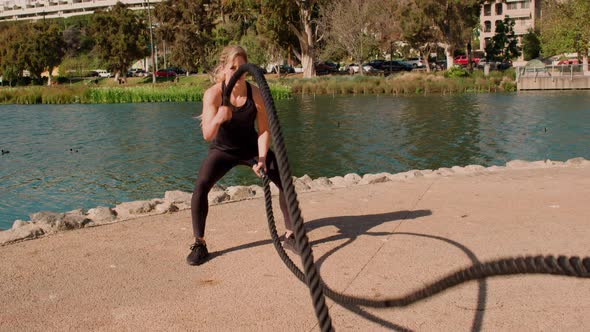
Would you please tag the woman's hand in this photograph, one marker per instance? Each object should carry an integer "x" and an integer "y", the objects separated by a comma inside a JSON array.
[
  {"x": 260, "y": 165},
  {"x": 224, "y": 113}
]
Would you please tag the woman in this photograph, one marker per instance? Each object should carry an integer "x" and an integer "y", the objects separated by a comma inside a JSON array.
[{"x": 234, "y": 141}]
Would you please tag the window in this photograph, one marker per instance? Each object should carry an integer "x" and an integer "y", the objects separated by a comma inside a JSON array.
[
  {"x": 487, "y": 10},
  {"x": 526, "y": 4},
  {"x": 498, "y": 9},
  {"x": 487, "y": 26},
  {"x": 512, "y": 6}
]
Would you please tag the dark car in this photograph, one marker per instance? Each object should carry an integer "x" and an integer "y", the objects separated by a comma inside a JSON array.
[
  {"x": 393, "y": 66},
  {"x": 284, "y": 69},
  {"x": 504, "y": 65},
  {"x": 377, "y": 64},
  {"x": 326, "y": 67},
  {"x": 165, "y": 73},
  {"x": 177, "y": 70}
]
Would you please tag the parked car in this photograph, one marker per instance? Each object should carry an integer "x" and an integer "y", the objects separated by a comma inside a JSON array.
[
  {"x": 504, "y": 65},
  {"x": 416, "y": 62},
  {"x": 376, "y": 64},
  {"x": 283, "y": 69},
  {"x": 393, "y": 66},
  {"x": 354, "y": 68},
  {"x": 165, "y": 73},
  {"x": 463, "y": 60},
  {"x": 136, "y": 72},
  {"x": 177, "y": 70},
  {"x": 102, "y": 73},
  {"x": 326, "y": 67},
  {"x": 568, "y": 62}
]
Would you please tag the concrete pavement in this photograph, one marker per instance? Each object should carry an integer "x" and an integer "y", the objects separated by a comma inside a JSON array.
[{"x": 379, "y": 240}]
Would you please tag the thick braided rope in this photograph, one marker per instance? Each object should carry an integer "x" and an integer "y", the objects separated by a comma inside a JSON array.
[
  {"x": 312, "y": 278},
  {"x": 561, "y": 265}
]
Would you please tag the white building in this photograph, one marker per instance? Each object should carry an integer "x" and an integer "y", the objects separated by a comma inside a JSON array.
[{"x": 13, "y": 10}]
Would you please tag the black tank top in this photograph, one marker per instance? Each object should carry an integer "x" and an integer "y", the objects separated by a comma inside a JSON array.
[{"x": 239, "y": 135}]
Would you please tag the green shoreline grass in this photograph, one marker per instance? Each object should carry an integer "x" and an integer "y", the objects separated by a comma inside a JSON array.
[{"x": 191, "y": 89}]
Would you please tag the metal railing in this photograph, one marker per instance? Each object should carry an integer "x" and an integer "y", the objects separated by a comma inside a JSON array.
[{"x": 551, "y": 71}]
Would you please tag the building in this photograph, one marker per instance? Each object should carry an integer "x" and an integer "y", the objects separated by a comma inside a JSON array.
[
  {"x": 20, "y": 10},
  {"x": 525, "y": 13}
]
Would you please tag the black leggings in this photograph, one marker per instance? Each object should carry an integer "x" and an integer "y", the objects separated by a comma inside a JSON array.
[{"x": 214, "y": 167}]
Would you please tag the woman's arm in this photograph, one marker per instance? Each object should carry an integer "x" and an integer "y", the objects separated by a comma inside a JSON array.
[
  {"x": 263, "y": 131},
  {"x": 213, "y": 113}
]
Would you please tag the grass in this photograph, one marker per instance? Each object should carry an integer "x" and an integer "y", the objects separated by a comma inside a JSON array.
[{"x": 191, "y": 88}]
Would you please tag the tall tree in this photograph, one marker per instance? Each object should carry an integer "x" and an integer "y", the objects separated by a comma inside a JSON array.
[
  {"x": 44, "y": 49},
  {"x": 564, "y": 28},
  {"x": 120, "y": 38},
  {"x": 504, "y": 45},
  {"x": 531, "y": 45},
  {"x": 418, "y": 31},
  {"x": 351, "y": 25},
  {"x": 281, "y": 19},
  {"x": 455, "y": 20},
  {"x": 186, "y": 26},
  {"x": 12, "y": 51}
]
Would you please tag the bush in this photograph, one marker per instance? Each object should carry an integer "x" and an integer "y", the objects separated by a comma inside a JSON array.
[{"x": 456, "y": 71}]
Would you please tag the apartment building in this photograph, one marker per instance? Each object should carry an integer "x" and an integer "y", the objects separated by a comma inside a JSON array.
[
  {"x": 19, "y": 10},
  {"x": 525, "y": 13}
]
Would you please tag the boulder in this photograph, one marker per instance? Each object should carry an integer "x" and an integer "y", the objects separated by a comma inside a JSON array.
[
  {"x": 19, "y": 223},
  {"x": 29, "y": 231},
  {"x": 177, "y": 196},
  {"x": 238, "y": 193},
  {"x": 338, "y": 182},
  {"x": 352, "y": 178},
  {"x": 101, "y": 215},
  {"x": 373, "y": 178},
  {"x": 321, "y": 183}
]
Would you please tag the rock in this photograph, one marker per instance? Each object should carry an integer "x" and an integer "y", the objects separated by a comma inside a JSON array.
[
  {"x": 238, "y": 193},
  {"x": 177, "y": 196},
  {"x": 101, "y": 215},
  {"x": 474, "y": 168},
  {"x": 550, "y": 162},
  {"x": 133, "y": 209},
  {"x": 166, "y": 207},
  {"x": 19, "y": 223},
  {"x": 257, "y": 190},
  {"x": 29, "y": 231},
  {"x": 338, "y": 181},
  {"x": 518, "y": 164},
  {"x": 577, "y": 161},
  {"x": 444, "y": 171},
  {"x": 321, "y": 183},
  {"x": 216, "y": 197},
  {"x": 352, "y": 178},
  {"x": 305, "y": 179},
  {"x": 373, "y": 178},
  {"x": 47, "y": 218},
  {"x": 301, "y": 185}
]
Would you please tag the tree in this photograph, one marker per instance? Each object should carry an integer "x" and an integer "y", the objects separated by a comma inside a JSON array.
[
  {"x": 12, "y": 52},
  {"x": 564, "y": 27},
  {"x": 120, "y": 38},
  {"x": 349, "y": 24},
  {"x": 504, "y": 45},
  {"x": 44, "y": 48},
  {"x": 279, "y": 20},
  {"x": 187, "y": 28},
  {"x": 419, "y": 32},
  {"x": 455, "y": 20},
  {"x": 531, "y": 45}
]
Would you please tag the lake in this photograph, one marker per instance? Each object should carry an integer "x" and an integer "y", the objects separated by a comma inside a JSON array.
[{"x": 64, "y": 157}]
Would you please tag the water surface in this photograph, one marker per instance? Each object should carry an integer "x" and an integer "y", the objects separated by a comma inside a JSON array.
[{"x": 64, "y": 157}]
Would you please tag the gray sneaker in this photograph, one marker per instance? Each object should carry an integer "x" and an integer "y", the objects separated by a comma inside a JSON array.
[{"x": 290, "y": 244}]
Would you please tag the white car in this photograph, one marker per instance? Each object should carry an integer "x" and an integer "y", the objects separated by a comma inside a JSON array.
[
  {"x": 416, "y": 62},
  {"x": 354, "y": 68},
  {"x": 103, "y": 73}
]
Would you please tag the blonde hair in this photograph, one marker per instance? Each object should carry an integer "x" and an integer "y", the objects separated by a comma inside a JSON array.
[{"x": 228, "y": 54}]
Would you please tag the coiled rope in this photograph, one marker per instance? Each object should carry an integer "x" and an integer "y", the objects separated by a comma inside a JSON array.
[{"x": 562, "y": 265}]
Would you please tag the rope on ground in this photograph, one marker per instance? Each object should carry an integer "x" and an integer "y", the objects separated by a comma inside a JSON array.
[{"x": 561, "y": 265}]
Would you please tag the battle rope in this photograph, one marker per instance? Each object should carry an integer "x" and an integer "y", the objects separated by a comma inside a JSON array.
[{"x": 561, "y": 265}]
